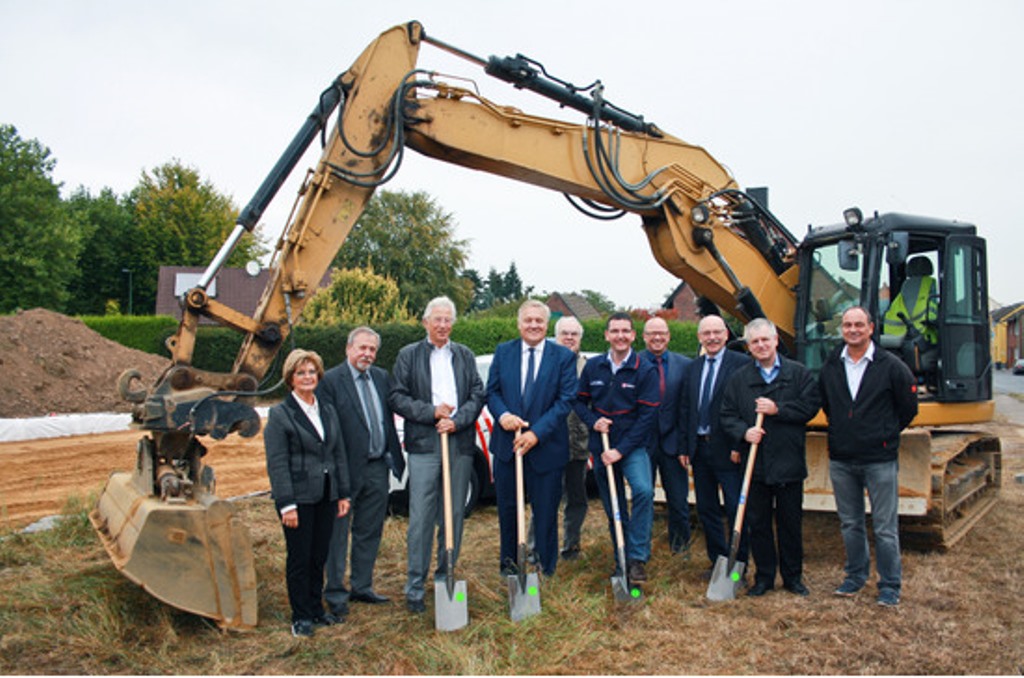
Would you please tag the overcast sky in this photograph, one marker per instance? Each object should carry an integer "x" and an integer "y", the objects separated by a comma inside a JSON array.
[{"x": 909, "y": 106}]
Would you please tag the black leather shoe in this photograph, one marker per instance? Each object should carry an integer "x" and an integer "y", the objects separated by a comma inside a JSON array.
[
  {"x": 415, "y": 606},
  {"x": 340, "y": 610},
  {"x": 759, "y": 589},
  {"x": 571, "y": 553},
  {"x": 798, "y": 588},
  {"x": 369, "y": 597},
  {"x": 302, "y": 628}
]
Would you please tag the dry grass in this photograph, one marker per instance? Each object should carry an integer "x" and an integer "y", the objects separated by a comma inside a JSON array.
[{"x": 63, "y": 609}]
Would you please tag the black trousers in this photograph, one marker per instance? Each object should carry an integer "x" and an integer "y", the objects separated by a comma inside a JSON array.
[
  {"x": 307, "y": 546},
  {"x": 784, "y": 503}
]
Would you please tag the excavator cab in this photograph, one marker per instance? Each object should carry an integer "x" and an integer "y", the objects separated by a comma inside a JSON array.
[
  {"x": 949, "y": 471},
  {"x": 924, "y": 282}
]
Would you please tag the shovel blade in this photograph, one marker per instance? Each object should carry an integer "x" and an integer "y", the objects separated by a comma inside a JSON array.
[
  {"x": 523, "y": 597},
  {"x": 623, "y": 592},
  {"x": 725, "y": 582},
  {"x": 451, "y": 612}
]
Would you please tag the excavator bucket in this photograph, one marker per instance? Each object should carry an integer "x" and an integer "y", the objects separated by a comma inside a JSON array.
[{"x": 192, "y": 554}]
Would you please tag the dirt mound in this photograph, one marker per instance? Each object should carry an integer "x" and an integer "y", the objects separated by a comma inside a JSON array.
[{"x": 55, "y": 364}]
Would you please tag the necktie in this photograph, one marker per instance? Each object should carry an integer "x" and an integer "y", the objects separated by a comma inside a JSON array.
[
  {"x": 704, "y": 411},
  {"x": 373, "y": 416},
  {"x": 661, "y": 377},
  {"x": 528, "y": 383}
]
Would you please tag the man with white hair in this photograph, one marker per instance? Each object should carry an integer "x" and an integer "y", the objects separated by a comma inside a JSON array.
[
  {"x": 435, "y": 386},
  {"x": 786, "y": 393}
]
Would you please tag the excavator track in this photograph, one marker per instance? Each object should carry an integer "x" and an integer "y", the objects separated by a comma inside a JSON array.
[
  {"x": 966, "y": 473},
  {"x": 948, "y": 481}
]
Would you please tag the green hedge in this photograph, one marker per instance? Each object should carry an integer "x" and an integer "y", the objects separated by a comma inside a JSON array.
[
  {"x": 216, "y": 347},
  {"x": 143, "y": 332}
]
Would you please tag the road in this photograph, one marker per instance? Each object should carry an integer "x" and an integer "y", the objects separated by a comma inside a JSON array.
[{"x": 1005, "y": 381}]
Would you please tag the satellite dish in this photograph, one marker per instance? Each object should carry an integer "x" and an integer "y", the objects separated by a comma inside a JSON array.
[{"x": 253, "y": 268}]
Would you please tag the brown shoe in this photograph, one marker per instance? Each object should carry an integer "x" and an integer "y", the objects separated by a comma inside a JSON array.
[{"x": 637, "y": 573}]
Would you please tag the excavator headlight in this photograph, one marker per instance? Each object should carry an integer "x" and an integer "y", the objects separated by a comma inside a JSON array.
[
  {"x": 699, "y": 214},
  {"x": 853, "y": 217}
]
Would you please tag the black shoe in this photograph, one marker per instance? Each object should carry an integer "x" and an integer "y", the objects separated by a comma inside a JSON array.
[
  {"x": 681, "y": 546},
  {"x": 302, "y": 628},
  {"x": 340, "y": 610},
  {"x": 797, "y": 587},
  {"x": 415, "y": 606},
  {"x": 329, "y": 619},
  {"x": 637, "y": 572},
  {"x": 370, "y": 597},
  {"x": 571, "y": 553},
  {"x": 509, "y": 568},
  {"x": 759, "y": 588}
]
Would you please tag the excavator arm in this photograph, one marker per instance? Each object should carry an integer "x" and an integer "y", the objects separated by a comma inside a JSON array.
[{"x": 699, "y": 225}]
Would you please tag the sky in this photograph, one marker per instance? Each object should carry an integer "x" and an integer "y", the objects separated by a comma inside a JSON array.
[{"x": 890, "y": 105}]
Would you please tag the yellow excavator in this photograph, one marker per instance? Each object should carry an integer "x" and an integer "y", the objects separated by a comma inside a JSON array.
[{"x": 162, "y": 523}]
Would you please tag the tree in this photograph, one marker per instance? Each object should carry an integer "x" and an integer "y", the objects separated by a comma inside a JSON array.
[
  {"x": 497, "y": 288},
  {"x": 407, "y": 237},
  {"x": 356, "y": 296},
  {"x": 39, "y": 238},
  {"x": 108, "y": 246},
  {"x": 181, "y": 220}
]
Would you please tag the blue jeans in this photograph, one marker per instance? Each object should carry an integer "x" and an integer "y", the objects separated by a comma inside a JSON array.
[
  {"x": 638, "y": 517},
  {"x": 849, "y": 480}
]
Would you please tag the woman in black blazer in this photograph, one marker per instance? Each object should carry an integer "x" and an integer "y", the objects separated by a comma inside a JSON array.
[{"x": 308, "y": 470}]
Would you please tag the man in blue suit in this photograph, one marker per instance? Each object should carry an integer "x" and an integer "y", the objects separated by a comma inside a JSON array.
[
  {"x": 530, "y": 389},
  {"x": 704, "y": 444},
  {"x": 663, "y": 445}
]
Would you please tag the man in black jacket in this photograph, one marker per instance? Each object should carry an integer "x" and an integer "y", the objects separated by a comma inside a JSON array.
[
  {"x": 869, "y": 396},
  {"x": 786, "y": 393}
]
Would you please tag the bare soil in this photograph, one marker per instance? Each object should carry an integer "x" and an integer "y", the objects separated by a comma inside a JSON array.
[{"x": 55, "y": 364}]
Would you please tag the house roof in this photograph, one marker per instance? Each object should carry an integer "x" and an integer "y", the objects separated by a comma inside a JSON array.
[
  {"x": 577, "y": 305},
  {"x": 1004, "y": 312},
  {"x": 233, "y": 287}
]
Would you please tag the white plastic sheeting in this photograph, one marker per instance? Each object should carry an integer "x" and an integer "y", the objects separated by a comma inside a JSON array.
[{"x": 59, "y": 425}]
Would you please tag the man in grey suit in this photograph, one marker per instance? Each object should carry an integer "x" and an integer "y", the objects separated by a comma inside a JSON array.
[
  {"x": 358, "y": 391},
  {"x": 435, "y": 386}
]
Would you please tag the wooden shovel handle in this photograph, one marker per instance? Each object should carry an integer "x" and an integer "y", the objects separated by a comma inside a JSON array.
[{"x": 446, "y": 487}]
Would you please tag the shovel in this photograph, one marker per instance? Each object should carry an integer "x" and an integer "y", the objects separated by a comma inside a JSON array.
[
  {"x": 621, "y": 589},
  {"x": 728, "y": 573},
  {"x": 450, "y": 610},
  {"x": 523, "y": 588}
]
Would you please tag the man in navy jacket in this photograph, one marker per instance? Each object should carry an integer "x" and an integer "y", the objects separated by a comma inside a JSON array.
[
  {"x": 530, "y": 390},
  {"x": 618, "y": 395}
]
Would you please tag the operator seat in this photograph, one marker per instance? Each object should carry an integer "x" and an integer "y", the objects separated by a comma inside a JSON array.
[
  {"x": 915, "y": 302},
  {"x": 908, "y": 327}
]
